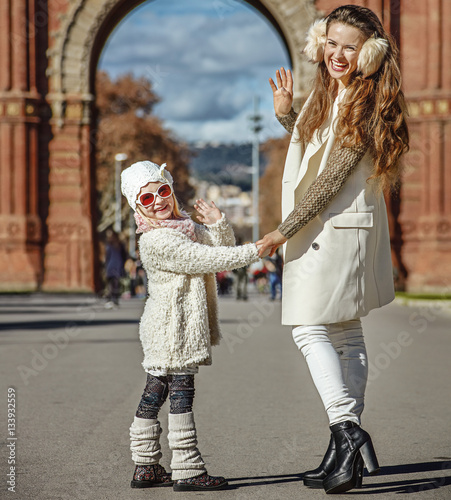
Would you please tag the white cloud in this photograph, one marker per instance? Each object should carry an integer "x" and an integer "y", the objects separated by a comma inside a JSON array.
[
  {"x": 226, "y": 131},
  {"x": 206, "y": 63}
]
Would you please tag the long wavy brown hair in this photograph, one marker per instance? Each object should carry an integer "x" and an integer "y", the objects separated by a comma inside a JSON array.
[{"x": 373, "y": 109}]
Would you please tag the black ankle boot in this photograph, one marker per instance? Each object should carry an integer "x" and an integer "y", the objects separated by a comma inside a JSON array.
[
  {"x": 314, "y": 478},
  {"x": 353, "y": 447}
]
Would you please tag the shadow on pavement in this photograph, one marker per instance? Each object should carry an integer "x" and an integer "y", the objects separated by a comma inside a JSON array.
[
  {"x": 407, "y": 486},
  {"x": 415, "y": 485},
  {"x": 262, "y": 480},
  {"x": 47, "y": 304},
  {"x": 64, "y": 323},
  {"x": 71, "y": 342},
  {"x": 31, "y": 311},
  {"x": 412, "y": 468}
]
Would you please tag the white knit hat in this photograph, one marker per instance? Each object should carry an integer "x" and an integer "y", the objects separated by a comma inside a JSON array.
[{"x": 140, "y": 174}]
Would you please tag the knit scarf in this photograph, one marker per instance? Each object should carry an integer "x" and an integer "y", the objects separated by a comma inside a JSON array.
[{"x": 185, "y": 226}]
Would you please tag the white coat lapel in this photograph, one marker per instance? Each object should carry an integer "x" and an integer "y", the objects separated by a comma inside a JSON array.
[
  {"x": 293, "y": 160},
  {"x": 327, "y": 134},
  {"x": 329, "y": 145},
  {"x": 317, "y": 143},
  {"x": 295, "y": 152}
]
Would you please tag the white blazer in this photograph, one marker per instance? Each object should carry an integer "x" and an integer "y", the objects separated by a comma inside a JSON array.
[{"x": 338, "y": 267}]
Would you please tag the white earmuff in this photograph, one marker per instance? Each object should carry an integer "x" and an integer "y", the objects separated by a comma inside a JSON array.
[
  {"x": 371, "y": 55},
  {"x": 316, "y": 39}
]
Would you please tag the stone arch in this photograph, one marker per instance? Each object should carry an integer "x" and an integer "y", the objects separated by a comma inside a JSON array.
[
  {"x": 75, "y": 54},
  {"x": 48, "y": 54},
  {"x": 73, "y": 57}
]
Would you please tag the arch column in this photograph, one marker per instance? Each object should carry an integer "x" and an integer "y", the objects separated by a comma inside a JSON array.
[
  {"x": 426, "y": 191},
  {"x": 20, "y": 224},
  {"x": 69, "y": 252}
]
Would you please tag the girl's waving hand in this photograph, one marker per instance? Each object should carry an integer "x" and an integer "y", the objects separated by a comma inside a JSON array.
[{"x": 208, "y": 214}]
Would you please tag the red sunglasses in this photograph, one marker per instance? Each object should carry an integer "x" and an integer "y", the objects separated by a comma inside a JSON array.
[{"x": 147, "y": 199}]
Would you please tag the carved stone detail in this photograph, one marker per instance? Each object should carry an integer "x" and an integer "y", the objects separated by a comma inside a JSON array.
[
  {"x": 419, "y": 108},
  {"x": 62, "y": 231},
  {"x": 25, "y": 228},
  {"x": 444, "y": 227},
  {"x": 427, "y": 227}
]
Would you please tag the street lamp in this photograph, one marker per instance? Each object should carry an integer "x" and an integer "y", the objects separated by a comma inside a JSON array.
[
  {"x": 119, "y": 158},
  {"x": 256, "y": 128}
]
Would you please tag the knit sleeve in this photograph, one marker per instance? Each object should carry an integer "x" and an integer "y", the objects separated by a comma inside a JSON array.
[
  {"x": 169, "y": 250},
  {"x": 288, "y": 121},
  {"x": 218, "y": 234},
  {"x": 340, "y": 165}
]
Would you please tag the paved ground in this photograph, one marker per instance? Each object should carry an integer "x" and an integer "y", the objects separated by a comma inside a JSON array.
[{"x": 75, "y": 368}]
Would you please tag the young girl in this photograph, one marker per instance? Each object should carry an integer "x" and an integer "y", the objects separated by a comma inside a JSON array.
[{"x": 180, "y": 320}]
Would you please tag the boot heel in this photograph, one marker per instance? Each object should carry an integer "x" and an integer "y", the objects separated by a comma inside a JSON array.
[{"x": 369, "y": 457}]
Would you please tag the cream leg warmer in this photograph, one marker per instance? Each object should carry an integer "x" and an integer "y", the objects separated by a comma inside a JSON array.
[
  {"x": 186, "y": 459},
  {"x": 145, "y": 441}
]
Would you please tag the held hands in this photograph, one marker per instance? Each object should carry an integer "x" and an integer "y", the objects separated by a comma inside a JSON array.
[
  {"x": 283, "y": 92},
  {"x": 208, "y": 214},
  {"x": 270, "y": 243}
]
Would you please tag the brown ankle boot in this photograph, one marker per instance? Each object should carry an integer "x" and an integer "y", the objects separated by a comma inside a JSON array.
[
  {"x": 147, "y": 476},
  {"x": 203, "y": 482}
]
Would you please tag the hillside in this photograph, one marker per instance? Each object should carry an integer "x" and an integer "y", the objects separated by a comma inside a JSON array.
[{"x": 224, "y": 164}]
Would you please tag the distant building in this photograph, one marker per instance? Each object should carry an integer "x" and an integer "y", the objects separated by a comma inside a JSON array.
[{"x": 236, "y": 203}]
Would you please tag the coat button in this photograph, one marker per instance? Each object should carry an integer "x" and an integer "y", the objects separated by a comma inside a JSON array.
[{"x": 315, "y": 246}]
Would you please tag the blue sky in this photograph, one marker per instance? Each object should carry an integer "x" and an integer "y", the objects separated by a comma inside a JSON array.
[{"x": 207, "y": 60}]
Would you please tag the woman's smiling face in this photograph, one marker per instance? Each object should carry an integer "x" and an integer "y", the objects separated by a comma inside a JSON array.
[
  {"x": 162, "y": 208},
  {"x": 341, "y": 52}
]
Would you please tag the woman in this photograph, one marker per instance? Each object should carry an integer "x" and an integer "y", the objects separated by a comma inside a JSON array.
[{"x": 345, "y": 150}]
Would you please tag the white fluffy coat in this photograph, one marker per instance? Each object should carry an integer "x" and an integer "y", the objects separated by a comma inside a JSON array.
[{"x": 180, "y": 320}]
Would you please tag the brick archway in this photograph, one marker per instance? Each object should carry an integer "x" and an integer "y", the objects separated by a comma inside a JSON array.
[
  {"x": 52, "y": 244},
  {"x": 48, "y": 65}
]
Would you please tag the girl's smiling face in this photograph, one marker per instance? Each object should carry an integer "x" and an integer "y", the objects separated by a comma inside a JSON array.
[
  {"x": 162, "y": 208},
  {"x": 341, "y": 52}
]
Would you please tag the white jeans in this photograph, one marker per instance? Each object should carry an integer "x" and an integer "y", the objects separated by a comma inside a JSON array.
[{"x": 336, "y": 357}]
